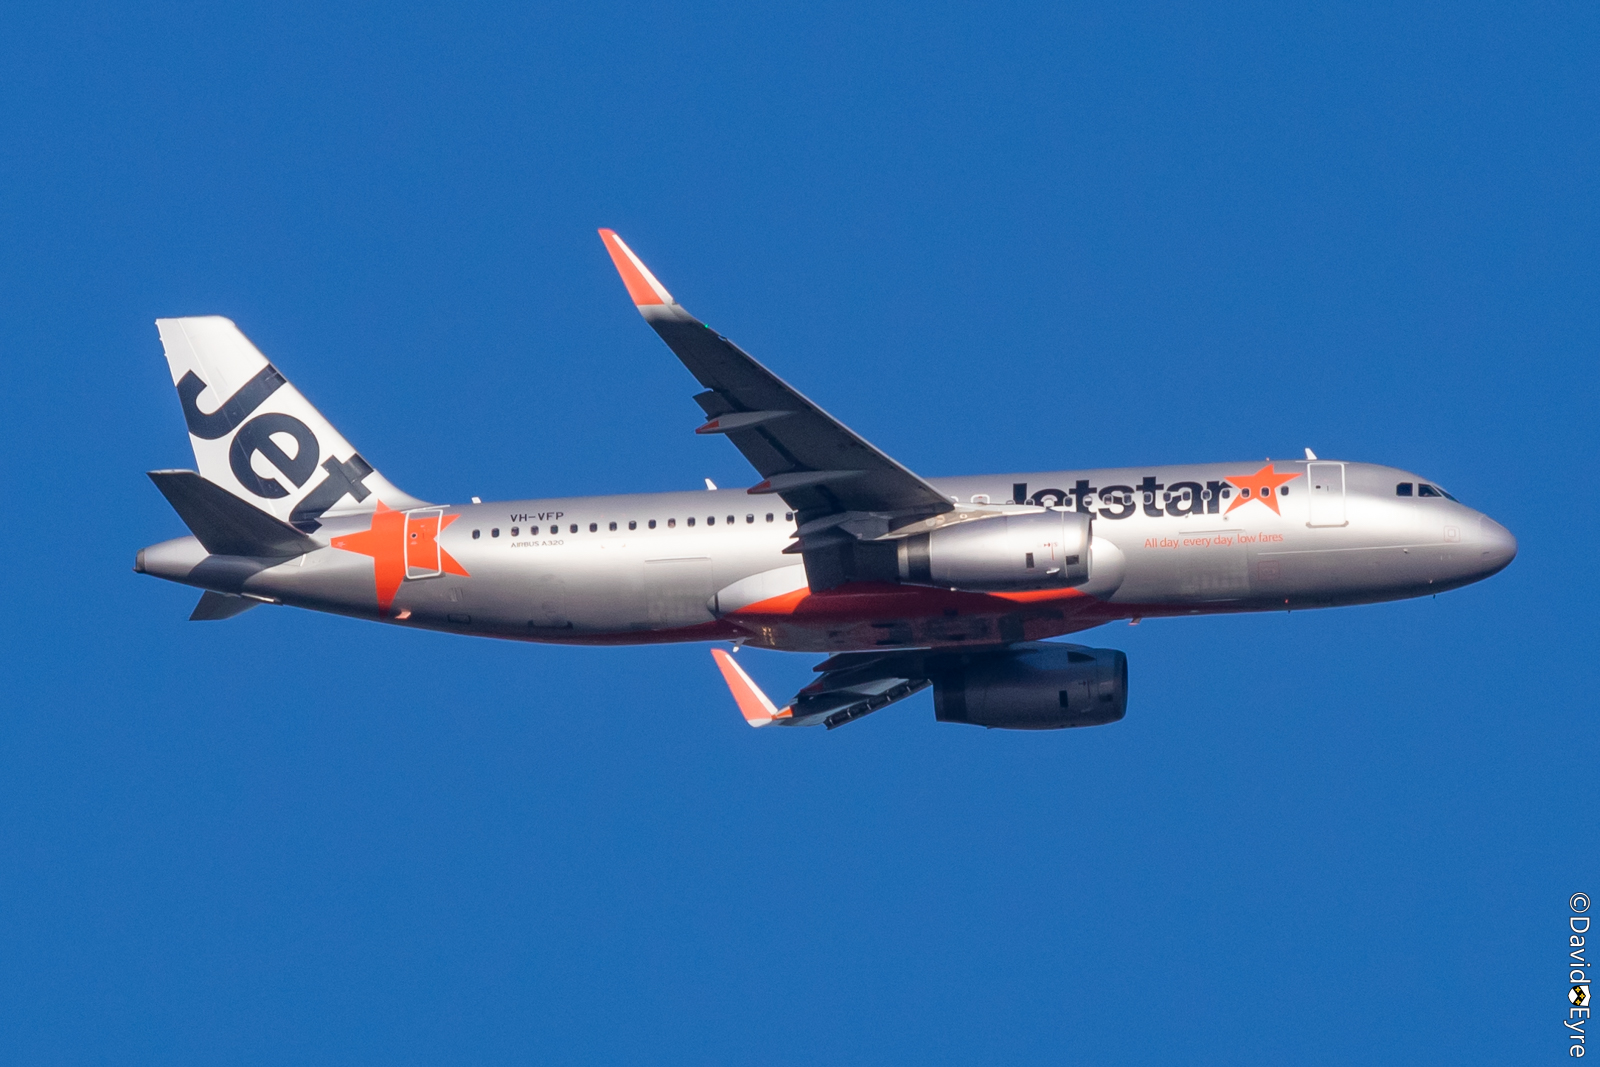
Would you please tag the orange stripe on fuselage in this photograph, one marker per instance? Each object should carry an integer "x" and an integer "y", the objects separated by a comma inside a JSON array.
[{"x": 871, "y": 601}]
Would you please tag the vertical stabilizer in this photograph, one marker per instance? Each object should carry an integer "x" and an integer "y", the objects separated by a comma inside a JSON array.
[{"x": 257, "y": 437}]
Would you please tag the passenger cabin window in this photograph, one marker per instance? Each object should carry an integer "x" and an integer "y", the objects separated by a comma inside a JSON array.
[
  {"x": 495, "y": 532},
  {"x": 652, "y": 524},
  {"x": 533, "y": 531},
  {"x": 788, "y": 516},
  {"x": 613, "y": 526},
  {"x": 671, "y": 523},
  {"x": 731, "y": 520},
  {"x": 749, "y": 518},
  {"x": 573, "y": 528},
  {"x": 513, "y": 531},
  {"x": 634, "y": 525},
  {"x": 691, "y": 521},
  {"x": 1403, "y": 489},
  {"x": 711, "y": 520},
  {"x": 594, "y": 527},
  {"x": 476, "y": 534},
  {"x": 769, "y": 516},
  {"x": 1283, "y": 490}
]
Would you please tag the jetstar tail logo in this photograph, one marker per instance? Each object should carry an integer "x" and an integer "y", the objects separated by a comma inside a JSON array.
[
  {"x": 1261, "y": 486},
  {"x": 402, "y": 545},
  {"x": 259, "y": 437}
]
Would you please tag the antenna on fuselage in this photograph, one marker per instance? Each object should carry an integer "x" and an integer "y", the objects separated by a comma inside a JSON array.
[{"x": 1310, "y": 454}]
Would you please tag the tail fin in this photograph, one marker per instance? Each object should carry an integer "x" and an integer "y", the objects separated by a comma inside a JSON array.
[{"x": 257, "y": 437}]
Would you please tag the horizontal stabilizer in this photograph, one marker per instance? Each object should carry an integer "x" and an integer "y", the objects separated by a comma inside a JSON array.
[
  {"x": 227, "y": 525},
  {"x": 217, "y": 606}
]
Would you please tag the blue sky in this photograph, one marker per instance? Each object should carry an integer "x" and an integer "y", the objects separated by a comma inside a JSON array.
[{"x": 988, "y": 237}]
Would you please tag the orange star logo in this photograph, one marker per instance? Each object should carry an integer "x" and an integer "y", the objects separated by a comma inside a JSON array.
[
  {"x": 1262, "y": 486},
  {"x": 394, "y": 537}
]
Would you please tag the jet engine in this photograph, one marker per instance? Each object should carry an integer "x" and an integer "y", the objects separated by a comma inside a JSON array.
[
  {"x": 1034, "y": 686},
  {"x": 1041, "y": 549}
]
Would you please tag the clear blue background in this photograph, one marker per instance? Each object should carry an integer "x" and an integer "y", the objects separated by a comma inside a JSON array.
[{"x": 989, "y": 237}]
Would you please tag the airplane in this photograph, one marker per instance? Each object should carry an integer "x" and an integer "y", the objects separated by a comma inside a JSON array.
[{"x": 905, "y": 583}]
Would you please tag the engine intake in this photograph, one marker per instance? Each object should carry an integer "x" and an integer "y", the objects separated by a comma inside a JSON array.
[
  {"x": 1041, "y": 549},
  {"x": 1034, "y": 686}
]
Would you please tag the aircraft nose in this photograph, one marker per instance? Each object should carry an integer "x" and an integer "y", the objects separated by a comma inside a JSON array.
[{"x": 1499, "y": 547}]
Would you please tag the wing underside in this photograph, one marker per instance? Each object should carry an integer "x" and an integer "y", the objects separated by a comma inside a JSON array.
[{"x": 848, "y": 686}]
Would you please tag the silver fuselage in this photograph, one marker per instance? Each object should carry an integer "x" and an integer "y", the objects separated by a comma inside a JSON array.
[{"x": 713, "y": 566}]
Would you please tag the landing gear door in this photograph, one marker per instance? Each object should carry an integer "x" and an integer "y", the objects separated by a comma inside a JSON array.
[
  {"x": 422, "y": 543},
  {"x": 1325, "y": 482}
]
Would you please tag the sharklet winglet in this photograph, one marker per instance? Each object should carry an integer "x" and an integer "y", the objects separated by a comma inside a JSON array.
[
  {"x": 754, "y": 705},
  {"x": 642, "y": 285}
]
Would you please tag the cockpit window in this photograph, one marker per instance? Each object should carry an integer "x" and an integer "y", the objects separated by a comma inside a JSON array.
[
  {"x": 1424, "y": 489},
  {"x": 1403, "y": 489}
]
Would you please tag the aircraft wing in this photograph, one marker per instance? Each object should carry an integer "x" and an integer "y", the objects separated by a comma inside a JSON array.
[
  {"x": 813, "y": 461},
  {"x": 851, "y": 684}
]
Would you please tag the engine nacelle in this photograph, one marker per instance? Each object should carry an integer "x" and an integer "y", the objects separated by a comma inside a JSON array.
[
  {"x": 1034, "y": 686},
  {"x": 1037, "y": 550}
]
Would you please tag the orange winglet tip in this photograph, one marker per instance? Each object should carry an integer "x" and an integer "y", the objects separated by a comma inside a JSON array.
[
  {"x": 642, "y": 285},
  {"x": 754, "y": 705}
]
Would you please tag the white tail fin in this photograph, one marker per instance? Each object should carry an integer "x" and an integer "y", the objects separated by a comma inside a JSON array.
[{"x": 257, "y": 437}]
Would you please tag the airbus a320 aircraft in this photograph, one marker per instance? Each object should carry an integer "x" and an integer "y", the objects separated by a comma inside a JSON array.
[{"x": 905, "y": 582}]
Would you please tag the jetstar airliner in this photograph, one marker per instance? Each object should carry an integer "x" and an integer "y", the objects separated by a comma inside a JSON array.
[{"x": 905, "y": 582}]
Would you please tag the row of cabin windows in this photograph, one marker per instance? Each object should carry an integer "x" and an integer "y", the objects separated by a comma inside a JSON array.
[
  {"x": 633, "y": 524},
  {"x": 1423, "y": 489}
]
